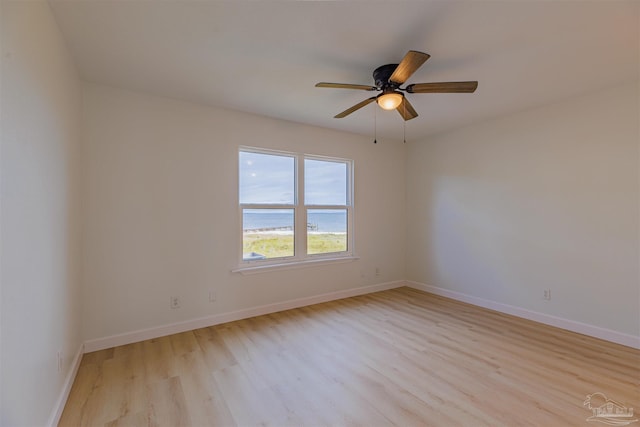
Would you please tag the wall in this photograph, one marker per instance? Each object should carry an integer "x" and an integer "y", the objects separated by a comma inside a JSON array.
[
  {"x": 41, "y": 101},
  {"x": 162, "y": 215},
  {"x": 542, "y": 199}
]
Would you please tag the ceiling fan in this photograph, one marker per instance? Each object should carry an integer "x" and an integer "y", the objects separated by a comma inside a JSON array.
[{"x": 388, "y": 79}]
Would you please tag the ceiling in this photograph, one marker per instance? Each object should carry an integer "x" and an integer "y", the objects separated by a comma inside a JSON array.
[{"x": 265, "y": 57}]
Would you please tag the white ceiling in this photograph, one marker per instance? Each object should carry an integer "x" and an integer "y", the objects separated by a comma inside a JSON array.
[{"x": 265, "y": 57}]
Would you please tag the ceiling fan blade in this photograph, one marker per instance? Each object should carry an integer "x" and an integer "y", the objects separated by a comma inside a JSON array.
[
  {"x": 345, "y": 86},
  {"x": 409, "y": 64},
  {"x": 406, "y": 110},
  {"x": 445, "y": 87},
  {"x": 358, "y": 106}
]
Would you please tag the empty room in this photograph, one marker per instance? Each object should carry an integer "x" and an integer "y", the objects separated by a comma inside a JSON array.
[{"x": 211, "y": 214}]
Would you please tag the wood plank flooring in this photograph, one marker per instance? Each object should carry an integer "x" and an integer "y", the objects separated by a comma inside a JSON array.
[{"x": 399, "y": 357}]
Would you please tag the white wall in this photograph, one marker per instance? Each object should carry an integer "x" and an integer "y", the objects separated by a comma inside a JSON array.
[
  {"x": 41, "y": 100},
  {"x": 546, "y": 198},
  {"x": 162, "y": 214}
]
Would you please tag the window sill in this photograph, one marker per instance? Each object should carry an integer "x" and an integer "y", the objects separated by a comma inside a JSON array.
[{"x": 255, "y": 269}]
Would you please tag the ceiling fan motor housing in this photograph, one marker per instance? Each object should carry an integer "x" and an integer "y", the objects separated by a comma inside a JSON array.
[{"x": 381, "y": 76}]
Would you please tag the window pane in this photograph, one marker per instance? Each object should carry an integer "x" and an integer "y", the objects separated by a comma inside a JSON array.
[
  {"x": 326, "y": 231},
  {"x": 325, "y": 182},
  {"x": 267, "y": 178},
  {"x": 267, "y": 233}
]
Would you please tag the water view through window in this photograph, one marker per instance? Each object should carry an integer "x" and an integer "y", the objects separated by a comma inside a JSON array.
[
  {"x": 270, "y": 200},
  {"x": 326, "y": 231},
  {"x": 267, "y": 233}
]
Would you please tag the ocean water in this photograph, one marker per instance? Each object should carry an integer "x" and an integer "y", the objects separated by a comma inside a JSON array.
[{"x": 317, "y": 219}]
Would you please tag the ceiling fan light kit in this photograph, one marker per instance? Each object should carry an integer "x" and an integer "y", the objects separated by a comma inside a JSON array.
[
  {"x": 389, "y": 79},
  {"x": 389, "y": 100}
]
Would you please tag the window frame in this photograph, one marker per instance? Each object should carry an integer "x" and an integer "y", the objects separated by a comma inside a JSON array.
[{"x": 300, "y": 209}]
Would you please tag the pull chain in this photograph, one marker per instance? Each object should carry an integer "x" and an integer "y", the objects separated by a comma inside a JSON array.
[
  {"x": 375, "y": 125},
  {"x": 404, "y": 122},
  {"x": 404, "y": 132}
]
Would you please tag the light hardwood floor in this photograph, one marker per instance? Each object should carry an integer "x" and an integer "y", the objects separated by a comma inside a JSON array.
[{"x": 399, "y": 357}]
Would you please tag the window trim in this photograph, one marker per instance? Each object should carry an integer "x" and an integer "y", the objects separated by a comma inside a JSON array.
[
  {"x": 292, "y": 265},
  {"x": 300, "y": 258}
]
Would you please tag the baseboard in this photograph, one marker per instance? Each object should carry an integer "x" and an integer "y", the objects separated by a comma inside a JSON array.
[
  {"x": 216, "y": 319},
  {"x": 547, "y": 319},
  {"x": 56, "y": 413}
]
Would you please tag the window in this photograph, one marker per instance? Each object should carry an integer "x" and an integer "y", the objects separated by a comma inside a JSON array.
[{"x": 294, "y": 207}]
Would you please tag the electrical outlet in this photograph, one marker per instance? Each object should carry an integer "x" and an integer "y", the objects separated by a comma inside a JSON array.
[
  {"x": 59, "y": 360},
  {"x": 174, "y": 302},
  {"x": 547, "y": 294},
  {"x": 377, "y": 271},
  {"x": 212, "y": 296}
]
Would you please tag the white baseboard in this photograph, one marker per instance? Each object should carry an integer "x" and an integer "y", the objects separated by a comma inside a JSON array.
[
  {"x": 547, "y": 319},
  {"x": 56, "y": 413},
  {"x": 216, "y": 319}
]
